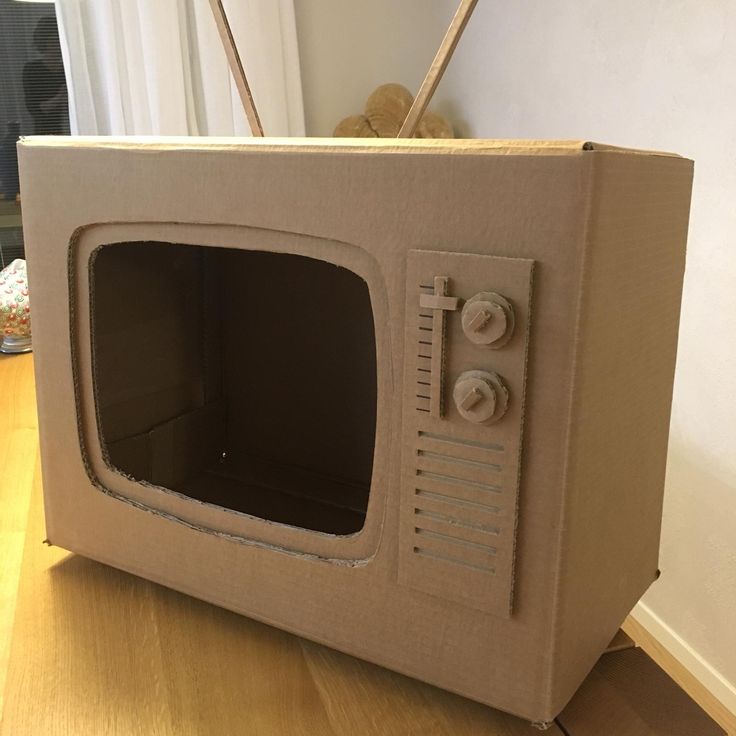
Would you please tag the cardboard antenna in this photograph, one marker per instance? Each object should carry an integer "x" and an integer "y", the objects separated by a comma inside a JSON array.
[
  {"x": 434, "y": 75},
  {"x": 429, "y": 85},
  {"x": 236, "y": 67}
]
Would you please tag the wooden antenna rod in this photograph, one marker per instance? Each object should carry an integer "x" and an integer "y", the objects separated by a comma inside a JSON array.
[
  {"x": 236, "y": 67},
  {"x": 434, "y": 75}
]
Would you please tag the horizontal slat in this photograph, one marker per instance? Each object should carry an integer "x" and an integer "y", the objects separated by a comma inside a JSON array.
[
  {"x": 442, "y": 524},
  {"x": 463, "y": 513},
  {"x": 458, "y": 488},
  {"x": 460, "y": 495},
  {"x": 463, "y": 449},
  {"x": 459, "y": 553},
  {"x": 487, "y": 476},
  {"x": 443, "y": 538}
]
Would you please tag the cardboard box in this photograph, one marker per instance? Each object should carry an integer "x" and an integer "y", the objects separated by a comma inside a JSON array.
[{"x": 409, "y": 399}]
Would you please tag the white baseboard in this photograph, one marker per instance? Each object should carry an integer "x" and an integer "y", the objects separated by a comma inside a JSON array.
[{"x": 709, "y": 677}]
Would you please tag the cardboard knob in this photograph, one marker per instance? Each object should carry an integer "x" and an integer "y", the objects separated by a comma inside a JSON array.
[
  {"x": 474, "y": 396},
  {"x": 488, "y": 319},
  {"x": 480, "y": 397}
]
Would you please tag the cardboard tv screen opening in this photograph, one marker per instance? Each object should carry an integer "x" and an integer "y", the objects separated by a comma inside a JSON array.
[{"x": 244, "y": 379}]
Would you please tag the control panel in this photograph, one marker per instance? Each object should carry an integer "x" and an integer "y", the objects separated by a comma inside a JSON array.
[{"x": 466, "y": 340}]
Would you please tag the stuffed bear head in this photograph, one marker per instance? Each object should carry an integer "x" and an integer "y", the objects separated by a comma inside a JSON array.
[{"x": 384, "y": 113}]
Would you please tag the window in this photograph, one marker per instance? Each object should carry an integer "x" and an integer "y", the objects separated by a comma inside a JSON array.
[{"x": 32, "y": 102}]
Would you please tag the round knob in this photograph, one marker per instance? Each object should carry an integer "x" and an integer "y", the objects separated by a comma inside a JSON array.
[
  {"x": 480, "y": 397},
  {"x": 488, "y": 319}
]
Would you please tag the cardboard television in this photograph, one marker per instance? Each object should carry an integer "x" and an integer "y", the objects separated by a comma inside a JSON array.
[{"x": 409, "y": 399}]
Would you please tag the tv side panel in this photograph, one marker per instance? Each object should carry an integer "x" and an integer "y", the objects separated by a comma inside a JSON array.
[{"x": 626, "y": 349}]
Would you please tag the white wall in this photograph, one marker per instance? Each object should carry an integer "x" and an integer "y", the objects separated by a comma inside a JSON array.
[
  {"x": 647, "y": 74},
  {"x": 348, "y": 48}
]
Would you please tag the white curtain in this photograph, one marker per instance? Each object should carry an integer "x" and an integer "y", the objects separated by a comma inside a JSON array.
[{"x": 157, "y": 67}]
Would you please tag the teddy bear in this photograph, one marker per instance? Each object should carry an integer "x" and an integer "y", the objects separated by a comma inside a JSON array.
[{"x": 385, "y": 111}]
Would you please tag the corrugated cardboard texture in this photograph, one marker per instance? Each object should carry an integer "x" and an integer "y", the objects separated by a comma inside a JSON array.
[{"x": 606, "y": 232}]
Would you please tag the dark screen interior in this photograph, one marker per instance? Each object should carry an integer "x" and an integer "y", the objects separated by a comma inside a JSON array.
[{"x": 244, "y": 379}]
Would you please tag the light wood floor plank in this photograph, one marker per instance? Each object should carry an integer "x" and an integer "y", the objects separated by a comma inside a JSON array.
[
  {"x": 97, "y": 651},
  {"x": 389, "y": 704},
  {"x": 18, "y": 450}
]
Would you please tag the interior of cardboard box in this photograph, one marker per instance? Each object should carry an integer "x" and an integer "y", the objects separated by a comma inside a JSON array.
[{"x": 245, "y": 379}]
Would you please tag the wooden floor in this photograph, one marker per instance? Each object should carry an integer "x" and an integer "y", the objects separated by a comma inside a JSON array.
[{"x": 86, "y": 650}]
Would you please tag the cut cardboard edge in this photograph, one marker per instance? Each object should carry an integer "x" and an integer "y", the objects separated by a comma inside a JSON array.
[
  {"x": 478, "y": 146},
  {"x": 234, "y": 525}
]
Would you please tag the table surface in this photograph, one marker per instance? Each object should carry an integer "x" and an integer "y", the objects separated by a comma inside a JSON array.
[{"x": 87, "y": 650}]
